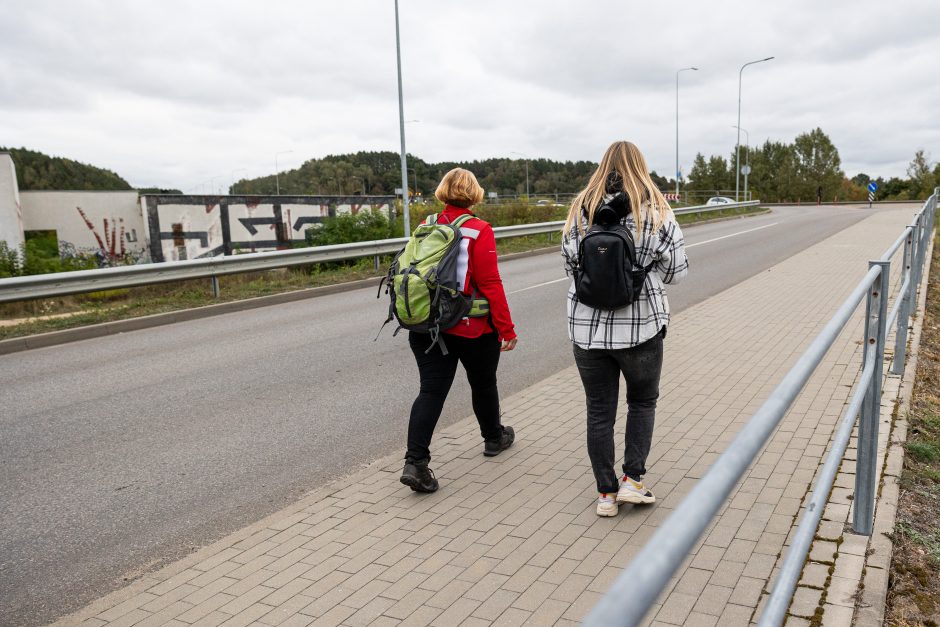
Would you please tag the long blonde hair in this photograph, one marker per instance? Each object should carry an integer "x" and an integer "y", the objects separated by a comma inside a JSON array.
[{"x": 626, "y": 160}]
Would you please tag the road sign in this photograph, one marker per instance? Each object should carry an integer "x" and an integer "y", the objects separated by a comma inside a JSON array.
[
  {"x": 745, "y": 170},
  {"x": 671, "y": 196},
  {"x": 872, "y": 187},
  {"x": 398, "y": 191}
]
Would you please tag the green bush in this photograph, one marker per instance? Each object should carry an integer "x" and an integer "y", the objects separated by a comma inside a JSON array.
[
  {"x": 362, "y": 227},
  {"x": 10, "y": 263},
  {"x": 36, "y": 257}
]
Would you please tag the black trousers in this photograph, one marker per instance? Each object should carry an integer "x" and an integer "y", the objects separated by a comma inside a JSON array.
[
  {"x": 600, "y": 371},
  {"x": 480, "y": 358}
]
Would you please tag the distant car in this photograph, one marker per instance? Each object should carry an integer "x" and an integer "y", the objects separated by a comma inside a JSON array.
[
  {"x": 543, "y": 203},
  {"x": 718, "y": 200}
]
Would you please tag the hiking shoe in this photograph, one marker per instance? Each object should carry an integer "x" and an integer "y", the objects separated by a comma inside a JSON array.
[
  {"x": 418, "y": 476},
  {"x": 492, "y": 448},
  {"x": 606, "y": 505},
  {"x": 634, "y": 492}
]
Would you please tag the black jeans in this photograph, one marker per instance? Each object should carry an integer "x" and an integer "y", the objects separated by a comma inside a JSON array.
[
  {"x": 600, "y": 371},
  {"x": 480, "y": 358}
]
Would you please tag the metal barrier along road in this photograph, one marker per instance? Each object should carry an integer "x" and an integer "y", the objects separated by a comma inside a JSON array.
[
  {"x": 64, "y": 283},
  {"x": 638, "y": 586}
]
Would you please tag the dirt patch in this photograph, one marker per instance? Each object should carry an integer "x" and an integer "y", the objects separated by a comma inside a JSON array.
[{"x": 914, "y": 580}]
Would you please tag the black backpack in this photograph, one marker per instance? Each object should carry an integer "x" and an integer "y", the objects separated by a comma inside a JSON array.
[{"x": 605, "y": 278}]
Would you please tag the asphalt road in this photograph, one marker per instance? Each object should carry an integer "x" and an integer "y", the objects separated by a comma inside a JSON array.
[{"x": 123, "y": 453}]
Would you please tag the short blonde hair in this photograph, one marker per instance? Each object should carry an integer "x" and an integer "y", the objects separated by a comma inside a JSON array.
[{"x": 460, "y": 188}]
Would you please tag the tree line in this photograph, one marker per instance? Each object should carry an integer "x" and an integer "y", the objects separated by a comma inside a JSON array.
[
  {"x": 39, "y": 171},
  {"x": 372, "y": 172},
  {"x": 808, "y": 168}
]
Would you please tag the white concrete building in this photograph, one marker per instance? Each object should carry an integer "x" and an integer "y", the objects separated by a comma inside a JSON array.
[{"x": 11, "y": 215}]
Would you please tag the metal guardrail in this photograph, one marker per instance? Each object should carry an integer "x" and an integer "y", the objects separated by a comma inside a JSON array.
[
  {"x": 65, "y": 283},
  {"x": 638, "y": 586}
]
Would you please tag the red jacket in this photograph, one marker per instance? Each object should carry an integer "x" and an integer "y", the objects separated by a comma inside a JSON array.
[{"x": 477, "y": 264}]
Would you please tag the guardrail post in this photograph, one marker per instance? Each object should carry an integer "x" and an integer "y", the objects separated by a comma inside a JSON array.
[
  {"x": 876, "y": 311},
  {"x": 215, "y": 286},
  {"x": 375, "y": 263},
  {"x": 904, "y": 313},
  {"x": 916, "y": 259}
]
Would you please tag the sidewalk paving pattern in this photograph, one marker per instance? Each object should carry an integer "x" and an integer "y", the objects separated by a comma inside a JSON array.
[{"x": 514, "y": 539}]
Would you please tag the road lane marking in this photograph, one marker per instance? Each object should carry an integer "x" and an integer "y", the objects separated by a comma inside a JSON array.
[
  {"x": 532, "y": 287},
  {"x": 708, "y": 241}
]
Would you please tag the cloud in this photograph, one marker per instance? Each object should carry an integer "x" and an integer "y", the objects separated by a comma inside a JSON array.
[{"x": 178, "y": 93}]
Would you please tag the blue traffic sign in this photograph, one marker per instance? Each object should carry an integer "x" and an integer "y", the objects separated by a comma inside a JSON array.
[{"x": 872, "y": 186}]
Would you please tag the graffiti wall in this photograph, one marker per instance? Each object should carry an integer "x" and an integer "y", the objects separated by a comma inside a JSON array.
[
  {"x": 11, "y": 217},
  {"x": 109, "y": 222},
  {"x": 189, "y": 227}
]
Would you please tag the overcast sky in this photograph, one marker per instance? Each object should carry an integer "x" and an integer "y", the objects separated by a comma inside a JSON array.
[{"x": 178, "y": 93}]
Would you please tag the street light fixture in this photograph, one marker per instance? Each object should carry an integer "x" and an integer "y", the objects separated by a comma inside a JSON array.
[
  {"x": 401, "y": 123},
  {"x": 677, "y": 123},
  {"x": 747, "y": 157},
  {"x": 526, "y": 157},
  {"x": 737, "y": 159},
  {"x": 277, "y": 174}
]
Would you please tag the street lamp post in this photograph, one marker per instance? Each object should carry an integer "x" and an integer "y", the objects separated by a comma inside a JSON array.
[
  {"x": 277, "y": 174},
  {"x": 737, "y": 149},
  {"x": 747, "y": 157},
  {"x": 401, "y": 123},
  {"x": 677, "y": 123},
  {"x": 526, "y": 157}
]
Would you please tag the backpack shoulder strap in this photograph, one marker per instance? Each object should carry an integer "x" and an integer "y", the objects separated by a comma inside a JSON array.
[{"x": 460, "y": 221}]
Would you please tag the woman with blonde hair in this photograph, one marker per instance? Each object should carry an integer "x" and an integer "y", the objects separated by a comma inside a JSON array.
[
  {"x": 626, "y": 340},
  {"x": 475, "y": 342}
]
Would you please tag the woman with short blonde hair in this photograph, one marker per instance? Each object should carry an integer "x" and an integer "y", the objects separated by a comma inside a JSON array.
[
  {"x": 474, "y": 342},
  {"x": 628, "y": 340}
]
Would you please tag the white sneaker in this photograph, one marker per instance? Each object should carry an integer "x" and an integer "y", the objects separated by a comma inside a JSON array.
[
  {"x": 633, "y": 492},
  {"x": 606, "y": 505}
]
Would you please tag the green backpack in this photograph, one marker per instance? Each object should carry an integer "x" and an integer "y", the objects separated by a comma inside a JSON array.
[{"x": 422, "y": 282}]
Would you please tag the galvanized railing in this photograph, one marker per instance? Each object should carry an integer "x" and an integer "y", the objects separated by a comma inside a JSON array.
[
  {"x": 64, "y": 283},
  {"x": 639, "y": 585}
]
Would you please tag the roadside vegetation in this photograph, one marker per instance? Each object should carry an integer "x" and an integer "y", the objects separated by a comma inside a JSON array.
[
  {"x": 40, "y": 316},
  {"x": 914, "y": 583}
]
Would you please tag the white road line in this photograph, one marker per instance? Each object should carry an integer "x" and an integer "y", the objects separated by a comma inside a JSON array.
[
  {"x": 708, "y": 241},
  {"x": 532, "y": 287}
]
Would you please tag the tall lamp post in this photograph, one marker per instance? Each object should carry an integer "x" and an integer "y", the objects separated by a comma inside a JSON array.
[
  {"x": 747, "y": 157},
  {"x": 401, "y": 123},
  {"x": 277, "y": 174},
  {"x": 677, "y": 123},
  {"x": 737, "y": 159},
  {"x": 526, "y": 157}
]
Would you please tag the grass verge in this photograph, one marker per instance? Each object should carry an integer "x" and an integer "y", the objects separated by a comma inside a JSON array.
[
  {"x": 914, "y": 581},
  {"x": 55, "y": 314}
]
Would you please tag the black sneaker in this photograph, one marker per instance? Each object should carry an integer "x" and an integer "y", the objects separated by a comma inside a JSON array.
[
  {"x": 418, "y": 476},
  {"x": 492, "y": 448}
]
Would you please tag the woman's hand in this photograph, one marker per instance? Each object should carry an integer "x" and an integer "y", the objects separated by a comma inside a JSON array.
[{"x": 508, "y": 345}]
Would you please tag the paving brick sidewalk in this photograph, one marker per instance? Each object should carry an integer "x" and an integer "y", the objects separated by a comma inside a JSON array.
[{"x": 514, "y": 539}]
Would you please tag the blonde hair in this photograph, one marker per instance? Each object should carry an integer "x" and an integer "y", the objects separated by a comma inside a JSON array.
[
  {"x": 460, "y": 188},
  {"x": 646, "y": 201}
]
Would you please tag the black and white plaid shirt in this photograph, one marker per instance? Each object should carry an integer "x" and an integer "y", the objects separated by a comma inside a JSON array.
[{"x": 640, "y": 321}]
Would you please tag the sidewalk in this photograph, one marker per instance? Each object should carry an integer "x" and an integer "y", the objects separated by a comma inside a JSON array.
[{"x": 514, "y": 540}]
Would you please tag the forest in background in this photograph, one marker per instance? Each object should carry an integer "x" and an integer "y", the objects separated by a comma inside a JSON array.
[{"x": 780, "y": 172}]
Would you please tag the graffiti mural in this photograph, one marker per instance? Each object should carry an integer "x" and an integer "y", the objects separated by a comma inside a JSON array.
[{"x": 190, "y": 227}]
